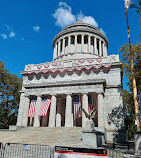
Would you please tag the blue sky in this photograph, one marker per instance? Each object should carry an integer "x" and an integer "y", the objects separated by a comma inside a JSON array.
[{"x": 28, "y": 27}]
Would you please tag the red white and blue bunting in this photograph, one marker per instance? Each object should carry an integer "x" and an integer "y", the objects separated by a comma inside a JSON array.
[{"x": 70, "y": 69}]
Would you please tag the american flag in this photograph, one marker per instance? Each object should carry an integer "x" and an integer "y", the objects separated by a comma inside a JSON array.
[
  {"x": 32, "y": 106},
  {"x": 92, "y": 102},
  {"x": 77, "y": 106},
  {"x": 46, "y": 102}
]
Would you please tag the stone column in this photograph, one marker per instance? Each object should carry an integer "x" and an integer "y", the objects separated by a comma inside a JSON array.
[
  {"x": 69, "y": 41},
  {"x": 75, "y": 43},
  {"x": 21, "y": 108},
  {"x": 82, "y": 43},
  {"x": 58, "y": 48},
  {"x": 84, "y": 106},
  {"x": 63, "y": 47},
  {"x": 99, "y": 48},
  {"x": 89, "y": 44},
  {"x": 105, "y": 51},
  {"x": 68, "y": 114},
  {"x": 58, "y": 115},
  {"x": 52, "y": 116},
  {"x": 25, "y": 111},
  {"x": 95, "y": 46},
  {"x": 55, "y": 51},
  {"x": 100, "y": 111},
  {"x": 37, "y": 109}
]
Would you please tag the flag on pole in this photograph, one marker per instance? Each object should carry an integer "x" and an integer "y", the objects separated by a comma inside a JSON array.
[
  {"x": 129, "y": 4},
  {"x": 77, "y": 106},
  {"x": 46, "y": 102},
  {"x": 32, "y": 106},
  {"x": 92, "y": 102}
]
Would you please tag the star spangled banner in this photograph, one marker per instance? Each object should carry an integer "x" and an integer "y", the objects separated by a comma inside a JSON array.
[
  {"x": 32, "y": 106},
  {"x": 129, "y": 4},
  {"x": 77, "y": 106},
  {"x": 92, "y": 102},
  {"x": 46, "y": 102}
]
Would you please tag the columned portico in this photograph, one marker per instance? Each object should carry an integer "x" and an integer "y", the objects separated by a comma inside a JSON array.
[
  {"x": 52, "y": 116},
  {"x": 84, "y": 106},
  {"x": 59, "y": 114},
  {"x": 21, "y": 109},
  {"x": 100, "y": 111},
  {"x": 25, "y": 111},
  {"x": 36, "y": 117},
  {"x": 68, "y": 114}
]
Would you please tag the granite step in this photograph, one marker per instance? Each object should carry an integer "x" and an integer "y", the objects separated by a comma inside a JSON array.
[{"x": 44, "y": 135}]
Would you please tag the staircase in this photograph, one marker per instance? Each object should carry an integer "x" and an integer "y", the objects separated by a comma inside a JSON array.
[{"x": 61, "y": 136}]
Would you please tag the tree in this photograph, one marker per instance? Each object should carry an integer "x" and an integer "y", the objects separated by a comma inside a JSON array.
[
  {"x": 10, "y": 86},
  {"x": 128, "y": 101}
]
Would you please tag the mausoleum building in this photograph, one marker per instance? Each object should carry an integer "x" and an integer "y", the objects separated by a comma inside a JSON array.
[{"x": 81, "y": 75}]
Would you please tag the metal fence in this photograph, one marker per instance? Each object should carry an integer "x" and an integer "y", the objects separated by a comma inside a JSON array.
[
  {"x": 123, "y": 154},
  {"x": 17, "y": 150},
  {"x": 1, "y": 149}
]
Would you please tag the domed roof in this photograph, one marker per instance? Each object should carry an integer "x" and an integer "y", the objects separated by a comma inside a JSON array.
[{"x": 83, "y": 27}]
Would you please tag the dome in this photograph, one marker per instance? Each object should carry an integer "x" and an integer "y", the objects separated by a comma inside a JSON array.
[{"x": 79, "y": 39}]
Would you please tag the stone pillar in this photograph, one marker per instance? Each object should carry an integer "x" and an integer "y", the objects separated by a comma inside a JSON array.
[
  {"x": 25, "y": 111},
  {"x": 82, "y": 43},
  {"x": 100, "y": 111},
  {"x": 37, "y": 109},
  {"x": 84, "y": 106},
  {"x": 58, "y": 48},
  {"x": 103, "y": 49},
  {"x": 21, "y": 108},
  {"x": 55, "y": 51},
  {"x": 99, "y": 48},
  {"x": 75, "y": 43},
  {"x": 95, "y": 46},
  {"x": 58, "y": 115},
  {"x": 89, "y": 44},
  {"x": 63, "y": 47},
  {"x": 69, "y": 42},
  {"x": 52, "y": 116},
  {"x": 68, "y": 114}
]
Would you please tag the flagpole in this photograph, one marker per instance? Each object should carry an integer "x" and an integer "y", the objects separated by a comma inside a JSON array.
[{"x": 133, "y": 77}]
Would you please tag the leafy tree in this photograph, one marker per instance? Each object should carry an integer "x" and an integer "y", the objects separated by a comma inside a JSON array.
[
  {"x": 128, "y": 100},
  {"x": 10, "y": 86}
]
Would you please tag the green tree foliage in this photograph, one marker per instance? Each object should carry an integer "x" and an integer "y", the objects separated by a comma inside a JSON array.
[
  {"x": 10, "y": 86},
  {"x": 128, "y": 101}
]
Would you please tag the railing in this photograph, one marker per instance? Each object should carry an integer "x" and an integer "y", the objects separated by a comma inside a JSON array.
[
  {"x": 17, "y": 150},
  {"x": 123, "y": 154}
]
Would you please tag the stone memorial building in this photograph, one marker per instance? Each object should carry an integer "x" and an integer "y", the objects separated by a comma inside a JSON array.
[{"x": 81, "y": 75}]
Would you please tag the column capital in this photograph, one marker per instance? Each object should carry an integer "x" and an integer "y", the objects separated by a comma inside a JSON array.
[
  {"x": 84, "y": 93},
  {"x": 68, "y": 93},
  {"x": 53, "y": 94}
]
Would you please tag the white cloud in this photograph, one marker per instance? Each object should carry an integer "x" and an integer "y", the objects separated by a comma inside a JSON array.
[
  {"x": 87, "y": 19},
  {"x": 4, "y": 36},
  {"x": 36, "y": 28},
  {"x": 63, "y": 15},
  {"x": 12, "y": 34}
]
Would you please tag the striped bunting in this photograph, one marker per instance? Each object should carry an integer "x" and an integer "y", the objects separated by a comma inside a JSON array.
[
  {"x": 46, "y": 102},
  {"x": 92, "y": 102},
  {"x": 77, "y": 106},
  {"x": 32, "y": 106}
]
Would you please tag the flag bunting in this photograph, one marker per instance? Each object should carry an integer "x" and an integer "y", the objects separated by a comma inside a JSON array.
[{"x": 46, "y": 102}]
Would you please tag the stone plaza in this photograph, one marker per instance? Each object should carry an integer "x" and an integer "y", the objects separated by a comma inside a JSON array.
[{"x": 80, "y": 67}]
